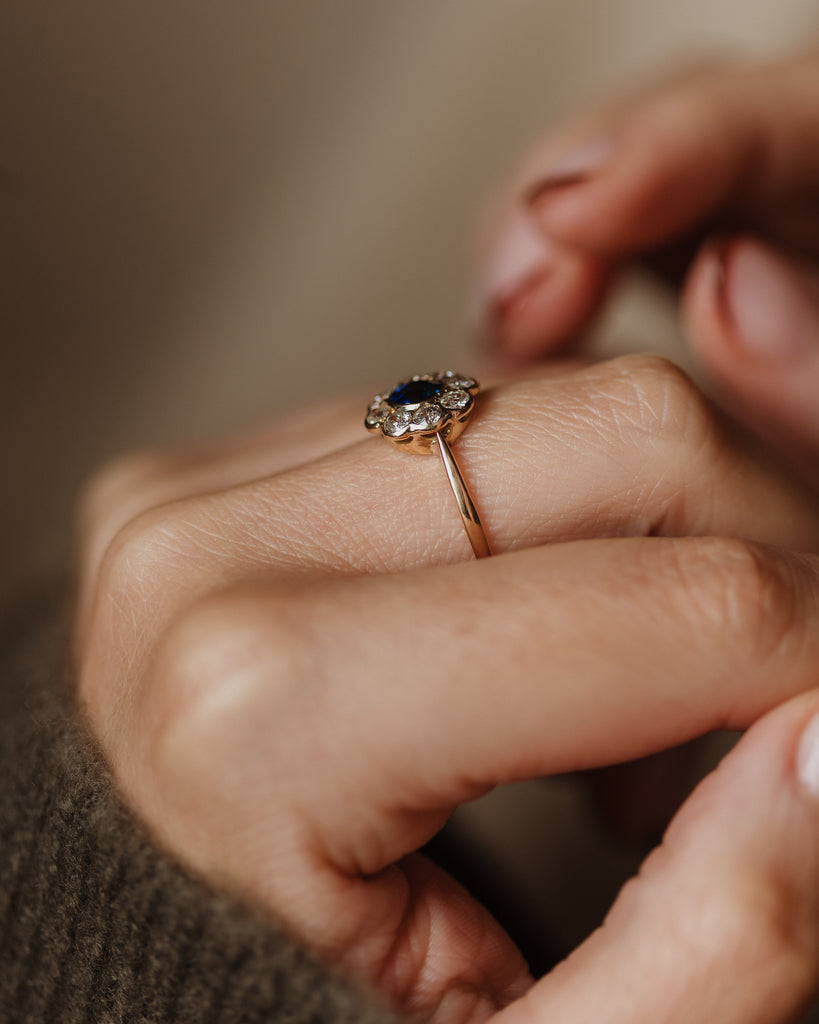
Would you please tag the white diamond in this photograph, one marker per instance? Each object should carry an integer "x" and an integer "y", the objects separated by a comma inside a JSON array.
[
  {"x": 378, "y": 411},
  {"x": 428, "y": 416},
  {"x": 397, "y": 423},
  {"x": 455, "y": 380},
  {"x": 455, "y": 399}
]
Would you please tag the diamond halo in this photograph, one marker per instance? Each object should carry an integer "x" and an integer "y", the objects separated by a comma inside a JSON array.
[{"x": 419, "y": 409}]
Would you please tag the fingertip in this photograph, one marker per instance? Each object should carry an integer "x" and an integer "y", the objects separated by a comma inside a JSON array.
[
  {"x": 649, "y": 188},
  {"x": 752, "y": 316},
  {"x": 533, "y": 296},
  {"x": 760, "y": 307},
  {"x": 704, "y": 306},
  {"x": 731, "y": 893},
  {"x": 764, "y": 796},
  {"x": 806, "y": 759},
  {"x": 775, "y": 760},
  {"x": 548, "y": 315}
]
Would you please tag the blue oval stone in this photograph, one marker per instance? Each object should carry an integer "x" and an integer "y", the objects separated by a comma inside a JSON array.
[{"x": 415, "y": 392}]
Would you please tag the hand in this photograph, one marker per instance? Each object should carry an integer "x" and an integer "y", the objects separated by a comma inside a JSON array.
[
  {"x": 297, "y": 673},
  {"x": 714, "y": 176}
]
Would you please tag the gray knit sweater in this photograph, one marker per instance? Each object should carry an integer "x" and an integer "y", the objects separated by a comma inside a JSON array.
[{"x": 96, "y": 924}]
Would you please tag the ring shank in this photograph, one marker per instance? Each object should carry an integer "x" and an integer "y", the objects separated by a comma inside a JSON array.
[{"x": 466, "y": 506}]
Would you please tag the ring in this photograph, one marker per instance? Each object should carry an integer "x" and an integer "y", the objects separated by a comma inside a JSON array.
[{"x": 426, "y": 414}]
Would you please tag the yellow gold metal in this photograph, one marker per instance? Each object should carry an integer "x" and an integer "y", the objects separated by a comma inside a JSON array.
[
  {"x": 426, "y": 414},
  {"x": 466, "y": 506}
]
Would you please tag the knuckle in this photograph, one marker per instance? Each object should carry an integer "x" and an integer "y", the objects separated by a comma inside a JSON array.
[
  {"x": 749, "y": 914},
  {"x": 742, "y": 593},
  {"x": 141, "y": 577},
  {"x": 117, "y": 495},
  {"x": 144, "y": 554},
  {"x": 757, "y": 919},
  {"x": 664, "y": 402},
  {"x": 215, "y": 738},
  {"x": 113, "y": 485},
  {"x": 227, "y": 661}
]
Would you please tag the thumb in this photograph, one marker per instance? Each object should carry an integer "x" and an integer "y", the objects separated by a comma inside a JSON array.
[
  {"x": 753, "y": 317},
  {"x": 722, "y": 923}
]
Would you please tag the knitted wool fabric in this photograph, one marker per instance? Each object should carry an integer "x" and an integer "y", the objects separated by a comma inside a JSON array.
[{"x": 96, "y": 923}]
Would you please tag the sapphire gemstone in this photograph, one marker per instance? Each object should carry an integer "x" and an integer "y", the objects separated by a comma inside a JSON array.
[{"x": 415, "y": 392}]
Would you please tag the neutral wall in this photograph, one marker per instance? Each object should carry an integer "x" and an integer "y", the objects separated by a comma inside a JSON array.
[{"x": 209, "y": 211}]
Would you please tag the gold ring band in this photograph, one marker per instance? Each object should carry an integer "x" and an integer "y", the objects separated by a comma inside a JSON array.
[{"x": 426, "y": 414}]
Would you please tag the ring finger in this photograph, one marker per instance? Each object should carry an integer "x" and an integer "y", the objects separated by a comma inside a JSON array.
[{"x": 299, "y": 741}]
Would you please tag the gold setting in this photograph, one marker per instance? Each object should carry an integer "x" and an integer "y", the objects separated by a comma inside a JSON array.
[
  {"x": 446, "y": 413},
  {"x": 432, "y": 423}
]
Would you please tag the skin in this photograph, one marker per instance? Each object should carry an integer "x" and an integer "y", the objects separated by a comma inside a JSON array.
[
  {"x": 711, "y": 179},
  {"x": 245, "y": 617},
  {"x": 695, "y": 176}
]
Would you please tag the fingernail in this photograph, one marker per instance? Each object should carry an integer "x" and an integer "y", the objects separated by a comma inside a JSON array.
[
  {"x": 574, "y": 167},
  {"x": 520, "y": 256},
  {"x": 807, "y": 757},
  {"x": 772, "y": 303}
]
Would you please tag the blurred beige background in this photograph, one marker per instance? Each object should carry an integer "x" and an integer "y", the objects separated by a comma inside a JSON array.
[{"x": 209, "y": 211}]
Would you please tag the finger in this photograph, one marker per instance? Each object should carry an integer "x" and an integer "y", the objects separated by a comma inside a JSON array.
[
  {"x": 133, "y": 485},
  {"x": 360, "y": 712},
  {"x": 130, "y": 485},
  {"x": 753, "y": 319},
  {"x": 661, "y": 169},
  {"x": 703, "y": 635},
  {"x": 626, "y": 447},
  {"x": 136, "y": 482},
  {"x": 531, "y": 295},
  {"x": 722, "y": 922},
  {"x": 721, "y": 142}
]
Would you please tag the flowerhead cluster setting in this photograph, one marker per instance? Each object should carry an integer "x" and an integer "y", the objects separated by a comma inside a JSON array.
[{"x": 417, "y": 410}]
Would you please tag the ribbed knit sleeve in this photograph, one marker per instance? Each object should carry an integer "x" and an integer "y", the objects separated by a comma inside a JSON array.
[{"x": 96, "y": 924}]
